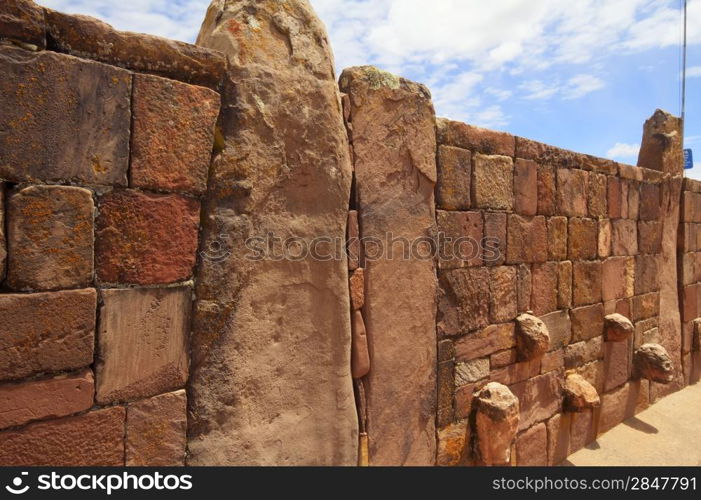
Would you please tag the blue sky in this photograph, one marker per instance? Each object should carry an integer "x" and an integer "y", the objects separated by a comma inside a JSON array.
[{"x": 582, "y": 74}]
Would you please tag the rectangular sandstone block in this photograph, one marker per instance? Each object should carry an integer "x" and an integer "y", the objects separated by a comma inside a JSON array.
[
  {"x": 557, "y": 238},
  {"x": 494, "y": 248},
  {"x": 3, "y": 241},
  {"x": 647, "y": 277},
  {"x": 23, "y": 21},
  {"x": 582, "y": 430},
  {"x": 479, "y": 140},
  {"x": 545, "y": 288},
  {"x": 558, "y": 437},
  {"x": 142, "y": 342},
  {"x": 156, "y": 429},
  {"x": 546, "y": 190},
  {"x": 614, "y": 197},
  {"x": 487, "y": 341},
  {"x": 650, "y": 237},
  {"x": 46, "y": 332},
  {"x": 645, "y": 306},
  {"x": 445, "y": 385},
  {"x": 454, "y": 177},
  {"x": 503, "y": 304},
  {"x": 50, "y": 238},
  {"x": 624, "y": 237},
  {"x": 95, "y": 439},
  {"x": 598, "y": 198},
  {"x": 91, "y": 38},
  {"x": 532, "y": 447},
  {"x": 618, "y": 278},
  {"x": 650, "y": 201},
  {"x": 586, "y": 288},
  {"x": 540, "y": 398},
  {"x": 461, "y": 235},
  {"x": 572, "y": 192},
  {"x": 525, "y": 187},
  {"x": 145, "y": 238},
  {"x": 587, "y": 322},
  {"x": 60, "y": 396},
  {"x": 581, "y": 353},
  {"x": 559, "y": 327},
  {"x": 551, "y": 361},
  {"x": 527, "y": 240},
  {"x": 172, "y": 135},
  {"x": 622, "y": 403},
  {"x": 583, "y": 239},
  {"x": 63, "y": 119},
  {"x": 617, "y": 363},
  {"x": 492, "y": 182},
  {"x": 547, "y": 154},
  {"x": 463, "y": 304},
  {"x": 517, "y": 372},
  {"x": 564, "y": 285}
]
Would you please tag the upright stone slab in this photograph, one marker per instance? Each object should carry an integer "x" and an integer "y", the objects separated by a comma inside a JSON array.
[
  {"x": 271, "y": 372},
  {"x": 394, "y": 147}
]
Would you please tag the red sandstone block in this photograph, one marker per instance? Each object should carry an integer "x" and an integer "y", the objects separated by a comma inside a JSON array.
[
  {"x": 540, "y": 398},
  {"x": 479, "y": 140},
  {"x": 587, "y": 322},
  {"x": 560, "y": 328},
  {"x": 517, "y": 372},
  {"x": 617, "y": 363},
  {"x": 3, "y": 251},
  {"x": 532, "y": 447},
  {"x": 690, "y": 303},
  {"x": 614, "y": 195},
  {"x": 650, "y": 201},
  {"x": 647, "y": 278},
  {"x": 487, "y": 341},
  {"x": 23, "y": 21},
  {"x": 445, "y": 388},
  {"x": 618, "y": 278},
  {"x": 624, "y": 237},
  {"x": 524, "y": 288},
  {"x": 582, "y": 430},
  {"x": 546, "y": 190},
  {"x": 594, "y": 374},
  {"x": 502, "y": 358},
  {"x": 558, "y": 438},
  {"x": 525, "y": 187},
  {"x": 687, "y": 272},
  {"x": 454, "y": 176},
  {"x": 583, "y": 239},
  {"x": 145, "y": 238},
  {"x": 572, "y": 192},
  {"x": 544, "y": 292},
  {"x": 557, "y": 238},
  {"x": 605, "y": 235},
  {"x": 633, "y": 200},
  {"x": 50, "y": 238},
  {"x": 564, "y": 285},
  {"x": 650, "y": 237},
  {"x": 621, "y": 403},
  {"x": 55, "y": 397},
  {"x": 581, "y": 353},
  {"x": 156, "y": 430},
  {"x": 93, "y": 439},
  {"x": 552, "y": 361},
  {"x": 503, "y": 302},
  {"x": 598, "y": 196},
  {"x": 462, "y": 244},
  {"x": 587, "y": 282},
  {"x": 463, "y": 305},
  {"x": 645, "y": 306},
  {"x": 527, "y": 240},
  {"x": 624, "y": 199},
  {"x": 172, "y": 134},
  {"x": 494, "y": 249},
  {"x": 551, "y": 155},
  {"x": 493, "y": 182},
  {"x": 46, "y": 332},
  {"x": 463, "y": 400}
]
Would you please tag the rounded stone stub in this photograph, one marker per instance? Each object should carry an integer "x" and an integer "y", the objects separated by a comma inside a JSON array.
[
  {"x": 652, "y": 362},
  {"x": 618, "y": 328},
  {"x": 496, "y": 423},
  {"x": 579, "y": 395},
  {"x": 532, "y": 337}
]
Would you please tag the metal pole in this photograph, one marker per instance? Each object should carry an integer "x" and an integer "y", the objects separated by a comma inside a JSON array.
[{"x": 684, "y": 77}]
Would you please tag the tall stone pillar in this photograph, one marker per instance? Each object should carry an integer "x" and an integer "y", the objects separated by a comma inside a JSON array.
[
  {"x": 661, "y": 150},
  {"x": 394, "y": 146},
  {"x": 270, "y": 378}
]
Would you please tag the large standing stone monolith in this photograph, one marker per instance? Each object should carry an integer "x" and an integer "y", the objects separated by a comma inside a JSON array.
[
  {"x": 394, "y": 146},
  {"x": 270, "y": 378}
]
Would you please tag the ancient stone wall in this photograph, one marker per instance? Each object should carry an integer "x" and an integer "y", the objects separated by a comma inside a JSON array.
[{"x": 106, "y": 141}]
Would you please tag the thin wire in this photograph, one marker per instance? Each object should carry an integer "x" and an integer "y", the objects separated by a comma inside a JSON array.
[{"x": 684, "y": 76}]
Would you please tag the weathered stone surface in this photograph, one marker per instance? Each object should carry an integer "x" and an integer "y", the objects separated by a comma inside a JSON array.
[
  {"x": 572, "y": 192},
  {"x": 461, "y": 239},
  {"x": 503, "y": 358},
  {"x": 518, "y": 372},
  {"x": 557, "y": 238},
  {"x": 579, "y": 394},
  {"x": 594, "y": 374},
  {"x": 652, "y": 362},
  {"x": 156, "y": 430},
  {"x": 50, "y": 238},
  {"x": 545, "y": 153},
  {"x": 559, "y": 328},
  {"x": 93, "y": 439},
  {"x": 617, "y": 363},
  {"x": 3, "y": 250},
  {"x": 492, "y": 182},
  {"x": 172, "y": 135},
  {"x": 360, "y": 355},
  {"x": 46, "y": 332},
  {"x": 645, "y": 306},
  {"x": 494, "y": 249},
  {"x": 633, "y": 200},
  {"x": 587, "y": 282},
  {"x": 471, "y": 371},
  {"x": 463, "y": 304},
  {"x": 647, "y": 274},
  {"x": 145, "y": 238},
  {"x": 527, "y": 240},
  {"x": 532, "y": 447},
  {"x": 587, "y": 322},
  {"x": 553, "y": 360},
  {"x": 23, "y": 21},
  {"x": 503, "y": 302},
  {"x": 614, "y": 198},
  {"x": 649, "y": 237},
  {"x": 539, "y": 397},
  {"x": 622, "y": 403},
  {"x": 525, "y": 187},
  {"x": 492, "y": 339},
  {"x": 463, "y": 400},
  {"x": 496, "y": 423},
  {"x": 63, "y": 119},
  {"x": 142, "y": 342},
  {"x": 598, "y": 195},
  {"x": 532, "y": 337},
  {"x": 524, "y": 287},
  {"x": 583, "y": 239},
  {"x": 91, "y": 38},
  {"x": 453, "y": 444},
  {"x": 478, "y": 139},
  {"x": 59, "y": 396},
  {"x": 617, "y": 328},
  {"x": 546, "y": 190},
  {"x": 446, "y": 390},
  {"x": 454, "y": 178},
  {"x": 605, "y": 235},
  {"x": 624, "y": 237},
  {"x": 353, "y": 246},
  {"x": 618, "y": 278},
  {"x": 582, "y": 430},
  {"x": 558, "y": 437},
  {"x": 545, "y": 288},
  {"x": 586, "y": 351},
  {"x": 564, "y": 285},
  {"x": 357, "y": 289}
]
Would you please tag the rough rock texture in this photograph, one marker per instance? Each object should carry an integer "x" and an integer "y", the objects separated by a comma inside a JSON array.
[
  {"x": 532, "y": 447},
  {"x": 142, "y": 343},
  {"x": 539, "y": 397},
  {"x": 93, "y": 439},
  {"x": 661, "y": 150},
  {"x": 172, "y": 135},
  {"x": 652, "y": 362},
  {"x": 156, "y": 431},
  {"x": 496, "y": 423},
  {"x": 50, "y": 238},
  {"x": 453, "y": 444},
  {"x": 145, "y": 239},
  {"x": 462, "y": 135},
  {"x": 46, "y": 332},
  {"x": 3, "y": 241},
  {"x": 493, "y": 182},
  {"x": 454, "y": 178},
  {"x": 618, "y": 328},
  {"x": 579, "y": 394},
  {"x": 532, "y": 337},
  {"x": 271, "y": 380},
  {"x": 63, "y": 118},
  {"x": 91, "y": 38},
  {"x": 360, "y": 353},
  {"x": 23, "y": 21},
  {"x": 395, "y": 150},
  {"x": 463, "y": 304},
  {"x": 59, "y": 396},
  {"x": 357, "y": 289}
]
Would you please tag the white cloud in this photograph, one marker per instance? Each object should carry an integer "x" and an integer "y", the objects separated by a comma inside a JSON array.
[
  {"x": 581, "y": 85},
  {"x": 622, "y": 151},
  {"x": 536, "y": 89},
  {"x": 693, "y": 72}
]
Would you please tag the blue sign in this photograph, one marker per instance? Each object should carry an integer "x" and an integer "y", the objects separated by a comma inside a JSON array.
[{"x": 688, "y": 160}]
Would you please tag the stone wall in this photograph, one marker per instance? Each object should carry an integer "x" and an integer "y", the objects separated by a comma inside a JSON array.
[
  {"x": 690, "y": 279},
  {"x": 106, "y": 141}
]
